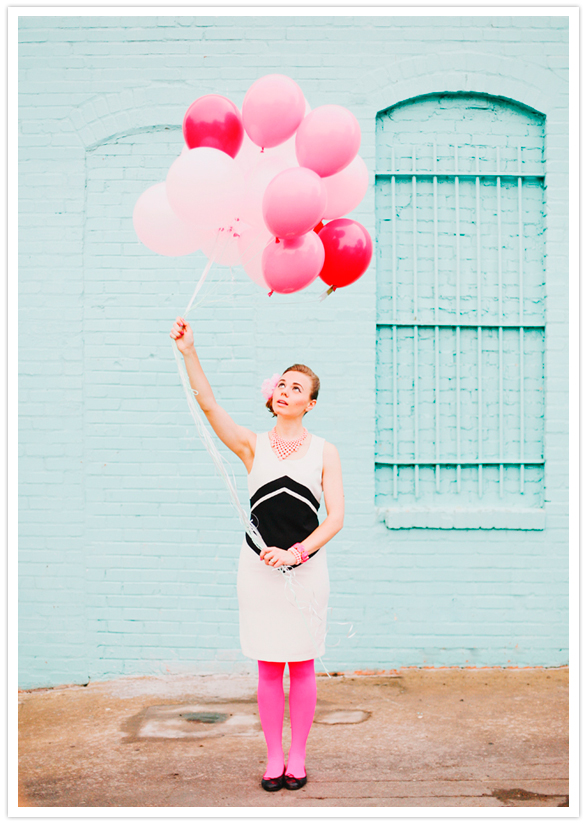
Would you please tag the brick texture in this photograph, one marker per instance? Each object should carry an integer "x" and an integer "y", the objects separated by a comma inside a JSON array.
[{"x": 128, "y": 543}]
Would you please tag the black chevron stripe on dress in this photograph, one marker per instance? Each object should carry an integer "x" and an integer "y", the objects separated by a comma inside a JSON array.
[{"x": 284, "y": 512}]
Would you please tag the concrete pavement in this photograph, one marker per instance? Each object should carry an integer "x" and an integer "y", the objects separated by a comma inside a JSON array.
[{"x": 422, "y": 738}]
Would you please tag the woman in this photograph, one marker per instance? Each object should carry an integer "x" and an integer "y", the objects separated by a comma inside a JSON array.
[{"x": 282, "y": 618}]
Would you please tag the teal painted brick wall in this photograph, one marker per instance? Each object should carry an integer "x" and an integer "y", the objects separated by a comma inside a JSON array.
[{"x": 128, "y": 545}]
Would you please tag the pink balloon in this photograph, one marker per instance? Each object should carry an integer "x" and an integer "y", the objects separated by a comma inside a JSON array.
[
  {"x": 213, "y": 121},
  {"x": 273, "y": 109},
  {"x": 205, "y": 187},
  {"x": 328, "y": 139},
  {"x": 294, "y": 202},
  {"x": 348, "y": 250},
  {"x": 346, "y": 189},
  {"x": 293, "y": 264},
  {"x": 256, "y": 182},
  {"x": 251, "y": 244},
  {"x": 159, "y": 228}
]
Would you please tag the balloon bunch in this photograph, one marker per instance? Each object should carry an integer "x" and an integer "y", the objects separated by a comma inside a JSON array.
[{"x": 265, "y": 188}]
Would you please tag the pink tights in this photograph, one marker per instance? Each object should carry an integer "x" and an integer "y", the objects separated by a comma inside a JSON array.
[{"x": 302, "y": 703}]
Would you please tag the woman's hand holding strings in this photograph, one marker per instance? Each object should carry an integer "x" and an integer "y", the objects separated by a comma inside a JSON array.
[
  {"x": 277, "y": 557},
  {"x": 182, "y": 334}
]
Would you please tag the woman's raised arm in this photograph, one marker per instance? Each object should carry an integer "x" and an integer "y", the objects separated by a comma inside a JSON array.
[{"x": 239, "y": 439}]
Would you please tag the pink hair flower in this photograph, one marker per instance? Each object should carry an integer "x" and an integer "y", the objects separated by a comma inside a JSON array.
[{"x": 268, "y": 386}]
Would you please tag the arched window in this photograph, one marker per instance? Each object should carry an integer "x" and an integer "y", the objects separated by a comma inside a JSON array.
[{"x": 460, "y": 327}]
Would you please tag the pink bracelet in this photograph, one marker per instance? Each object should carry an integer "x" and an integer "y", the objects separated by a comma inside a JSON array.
[{"x": 299, "y": 552}]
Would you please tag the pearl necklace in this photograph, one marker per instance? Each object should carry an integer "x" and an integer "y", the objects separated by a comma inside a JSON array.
[{"x": 285, "y": 448}]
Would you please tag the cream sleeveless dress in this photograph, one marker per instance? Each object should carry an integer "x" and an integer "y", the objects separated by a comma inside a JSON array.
[{"x": 283, "y": 615}]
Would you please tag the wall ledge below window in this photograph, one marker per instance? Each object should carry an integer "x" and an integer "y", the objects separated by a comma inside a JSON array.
[{"x": 462, "y": 518}]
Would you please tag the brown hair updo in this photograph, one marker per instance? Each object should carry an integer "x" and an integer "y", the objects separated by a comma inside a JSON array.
[{"x": 305, "y": 371}]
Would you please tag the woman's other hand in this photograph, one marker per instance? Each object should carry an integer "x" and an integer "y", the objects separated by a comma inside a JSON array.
[
  {"x": 277, "y": 557},
  {"x": 182, "y": 334}
]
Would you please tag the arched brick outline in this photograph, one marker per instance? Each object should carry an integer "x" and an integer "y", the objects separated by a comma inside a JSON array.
[
  {"x": 131, "y": 111},
  {"x": 465, "y": 71}
]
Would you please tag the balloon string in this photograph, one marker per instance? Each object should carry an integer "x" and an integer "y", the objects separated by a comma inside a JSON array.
[
  {"x": 204, "y": 274},
  {"x": 328, "y": 292},
  {"x": 350, "y": 631},
  {"x": 219, "y": 462}
]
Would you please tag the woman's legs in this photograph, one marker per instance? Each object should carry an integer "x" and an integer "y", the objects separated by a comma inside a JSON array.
[
  {"x": 302, "y": 704},
  {"x": 271, "y": 701}
]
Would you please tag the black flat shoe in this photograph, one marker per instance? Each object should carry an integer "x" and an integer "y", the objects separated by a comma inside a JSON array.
[
  {"x": 294, "y": 784},
  {"x": 275, "y": 784}
]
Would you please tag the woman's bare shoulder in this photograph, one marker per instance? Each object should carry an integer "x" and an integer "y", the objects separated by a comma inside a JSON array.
[{"x": 330, "y": 452}]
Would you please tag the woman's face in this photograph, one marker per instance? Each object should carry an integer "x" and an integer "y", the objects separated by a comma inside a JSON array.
[{"x": 292, "y": 395}]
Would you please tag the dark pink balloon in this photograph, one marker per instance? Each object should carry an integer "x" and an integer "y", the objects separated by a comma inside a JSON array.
[
  {"x": 293, "y": 264},
  {"x": 214, "y": 121},
  {"x": 348, "y": 249}
]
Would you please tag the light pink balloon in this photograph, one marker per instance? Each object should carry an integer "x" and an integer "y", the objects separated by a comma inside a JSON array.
[
  {"x": 346, "y": 189},
  {"x": 273, "y": 109},
  {"x": 285, "y": 153},
  {"x": 256, "y": 182},
  {"x": 249, "y": 155},
  {"x": 205, "y": 187},
  {"x": 223, "y": 244},
  {"x": 294, "y": 202},
  {"x": 251, "y": 244},
  {"x": 293, "y": 264},
  {"x": 328, "y": 139},
  {"x": 159, "y": 228}
]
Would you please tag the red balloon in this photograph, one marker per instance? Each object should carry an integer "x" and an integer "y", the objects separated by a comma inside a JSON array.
[
  {"x": 214, "y": 121},
  {"x": 318, "y": 227},
  {"x": 348, "y": 249}
]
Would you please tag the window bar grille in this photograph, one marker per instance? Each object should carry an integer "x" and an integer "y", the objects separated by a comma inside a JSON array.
[
  {"x": 395, "y": 415},
  {"x": 521, "y": 276},
  {"x": 395, "y": 315},
  {"x": 463, "y": 325},
  {"x": 458, "y": 318},
  {"x": 500, "y": 323},
  {"x": 415, "y": 256},
  {"x": 436, "y": 328},
  {"x": 479, "y": 328},
  {"x": 416, "y": 442},
  {"x": 500, "y": 318}
]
